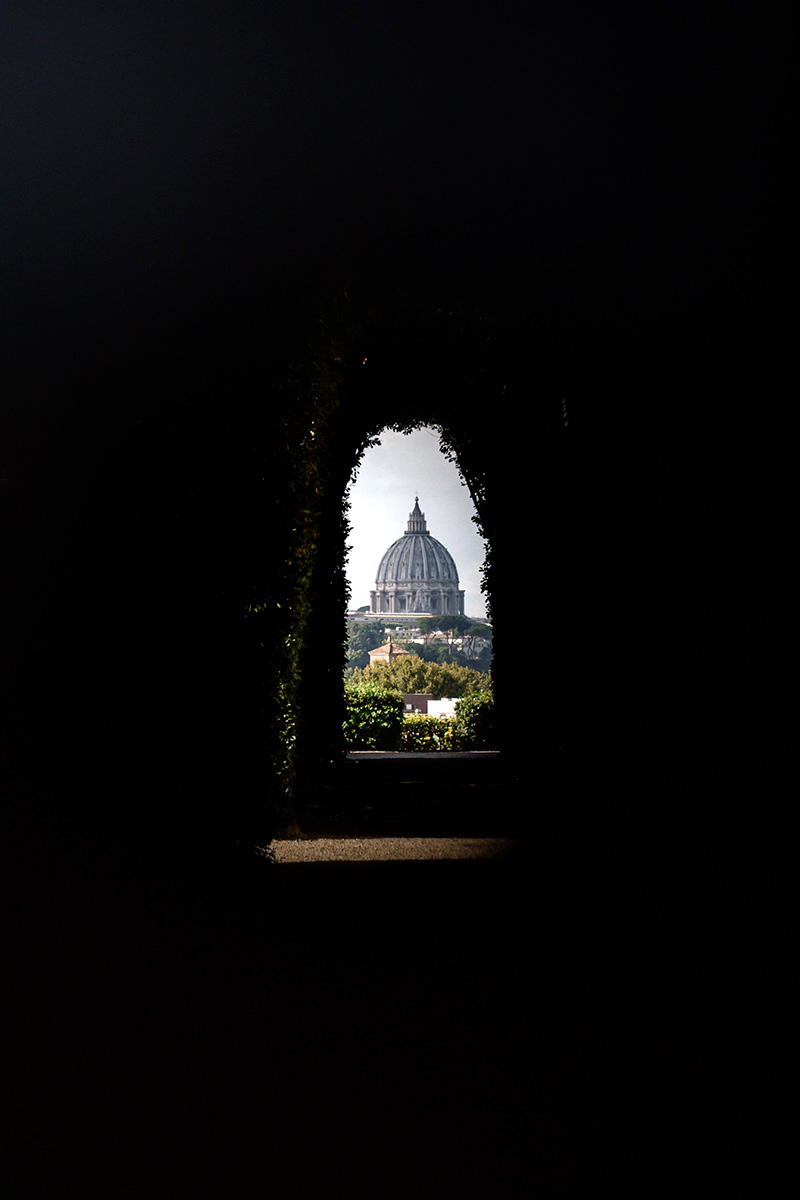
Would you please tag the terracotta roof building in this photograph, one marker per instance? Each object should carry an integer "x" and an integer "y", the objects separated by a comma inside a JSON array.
[{"x": 388, "y": 653}]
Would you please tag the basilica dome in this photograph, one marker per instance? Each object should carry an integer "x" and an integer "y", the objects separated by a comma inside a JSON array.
[{"x": 417, "y": 574}]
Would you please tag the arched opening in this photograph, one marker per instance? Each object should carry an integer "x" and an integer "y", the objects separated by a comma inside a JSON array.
[
  {"x": 572, "y": 568},
  {"x": 408, "y": 368},
  {"x": 401, "y": 472},
  {"x": 428, "y": 776}
]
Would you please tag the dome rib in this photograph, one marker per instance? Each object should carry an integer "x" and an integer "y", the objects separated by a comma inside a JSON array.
[{"x": 401, "y": 561}]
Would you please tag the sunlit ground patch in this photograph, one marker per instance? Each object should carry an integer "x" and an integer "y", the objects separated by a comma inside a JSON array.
[{"x": 390, "y": 849}]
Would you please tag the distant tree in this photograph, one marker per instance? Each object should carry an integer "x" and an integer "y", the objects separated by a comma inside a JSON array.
[
  {"x": 413, "y": 674},
  {"x": 363, "y": 636},
  {"x": 454, "y": 625},
  {"x": 481, "y": 659},
  {"x": 478, "y": 629},
  {"x": 472, "y": 655},
  {"x": 435, "y": 653},
  {"x": 446, "y": 623},
  {"x": 427, "y": 627}
]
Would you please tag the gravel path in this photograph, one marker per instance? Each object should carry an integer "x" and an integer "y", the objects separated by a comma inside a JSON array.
[{"x": 389, "y": 849}]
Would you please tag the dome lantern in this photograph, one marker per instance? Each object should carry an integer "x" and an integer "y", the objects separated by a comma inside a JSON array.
[{"x": 416, "y": 520}]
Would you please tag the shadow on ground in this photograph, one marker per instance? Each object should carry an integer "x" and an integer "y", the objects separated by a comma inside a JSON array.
[{"x": 559, "y": 1024}]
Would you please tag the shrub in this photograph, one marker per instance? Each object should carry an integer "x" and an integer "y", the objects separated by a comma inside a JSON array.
[
  {"x": 412, "y": 674},
  {"x": 373, "y": 717},
  {"x": 421, "y": 732},
  {"x": 474, "y": 723}
]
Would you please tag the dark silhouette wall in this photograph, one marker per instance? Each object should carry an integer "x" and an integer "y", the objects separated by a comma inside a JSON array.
[
  {"x": 194, "y": 282},
  {"x": 235, "y": 241},
  {"x": 181, "y": 591}
]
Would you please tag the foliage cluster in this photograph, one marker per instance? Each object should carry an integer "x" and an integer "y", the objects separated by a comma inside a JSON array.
[
  {"x": 412, "y": 674},
  {"x": 455, "y": 626},
  {"x": 374, "y": 721},
  {"x": 474, "y": 725},
  {"x": 373, "y": 717},
  {"x": 452, "y": 624},
  {"x": 470, "y": 657},
  {"x": 308, "y": 520},
  {"x": 363, "y": 636},
  {"x": 424, "y": 733}
]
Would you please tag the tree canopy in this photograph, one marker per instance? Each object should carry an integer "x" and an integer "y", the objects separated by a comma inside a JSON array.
[
  {"x": 363, "y": 636},
  {"x": 450, "y": 623},
  {"x": 413, "y": 674}
]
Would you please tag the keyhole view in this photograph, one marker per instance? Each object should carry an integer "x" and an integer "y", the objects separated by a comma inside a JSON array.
[
  {"x": 421, "y": 778},
  {"x": 390, "y": 414}
]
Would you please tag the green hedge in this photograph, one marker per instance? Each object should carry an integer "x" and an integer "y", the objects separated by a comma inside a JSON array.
[
  {"x": 421, "y": 732},
  {"x": 373, "y": 717},
  {"x": 474, "y": 723},
  {"x": 375, "y": 721}
]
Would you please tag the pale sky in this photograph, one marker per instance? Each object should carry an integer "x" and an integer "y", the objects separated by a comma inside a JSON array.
[{"x": 391, "y": 475}]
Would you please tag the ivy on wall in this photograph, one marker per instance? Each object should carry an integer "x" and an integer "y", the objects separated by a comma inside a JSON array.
[{"x": 356, "y": 371}]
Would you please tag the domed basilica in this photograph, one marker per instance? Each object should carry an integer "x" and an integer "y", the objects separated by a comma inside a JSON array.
[{"x": 417, "y": 574}]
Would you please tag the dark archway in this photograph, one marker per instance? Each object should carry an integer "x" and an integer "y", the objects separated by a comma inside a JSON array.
[
  {"x": 578, "y": 563},
  {"x": 199, "y": 561},
  {"x": 182, "y": 189},
  {"x": 406, "y": 367}
]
